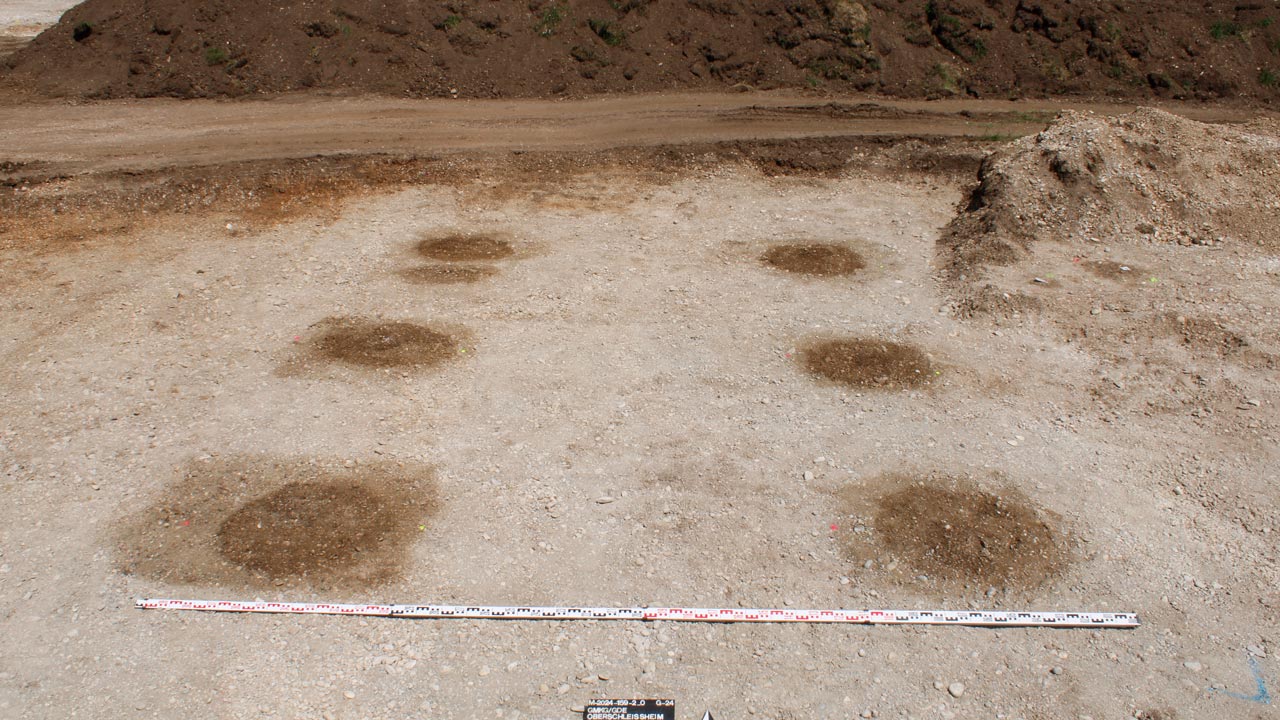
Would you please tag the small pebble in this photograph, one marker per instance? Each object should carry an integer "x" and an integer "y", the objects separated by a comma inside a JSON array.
[
  {"x": 1193, "y": 665},
  {"x": 349, "y": 695},
  {"x": 1057, "y": 670},
  {"x": 956, "y": 689}
]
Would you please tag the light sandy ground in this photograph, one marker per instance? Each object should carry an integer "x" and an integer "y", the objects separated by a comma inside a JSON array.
[
  {"x": 634, "y": 349},
  {"x": 26, "y": 14},
  {"x": 21, "y": 20}
]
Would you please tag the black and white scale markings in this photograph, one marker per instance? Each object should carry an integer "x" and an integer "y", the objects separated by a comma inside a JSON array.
[{"x": 970, "y": 618}]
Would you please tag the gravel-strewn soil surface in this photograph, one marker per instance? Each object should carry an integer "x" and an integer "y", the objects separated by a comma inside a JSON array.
[
  {"x": 627, "y": 414},
  {"x": 542, "y": 48}
]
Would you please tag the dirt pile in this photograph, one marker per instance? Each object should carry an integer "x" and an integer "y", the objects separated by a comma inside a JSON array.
[
  {"x": 1149, "y": 241},
  {"x": 1146, "y": 177},
  {"x": 489, "y": 48}
]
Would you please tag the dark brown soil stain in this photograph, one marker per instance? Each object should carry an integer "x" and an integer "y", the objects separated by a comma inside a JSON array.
[
  {"x": 448, "y": 274},
  {"x": 1158, "y": 714},
  {"x": 307, "y": 527},
  {"x": 261, "y": 522},
  {"x": 952, "y": 532},
  {"x": 817, "y": 259},
  {"x": 374, "y": 344},
  {"x": 461, "y": 247},
  {"x": 869, "y": 363},
  {"x": 1111, "y": 270},
  {"x": 1206, "y": 334}
]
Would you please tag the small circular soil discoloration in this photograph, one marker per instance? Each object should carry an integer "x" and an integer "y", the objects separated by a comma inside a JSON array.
[
  {"x": 448, "y": 274},
  {"x": 464, "y": 247},
  {"x": 373, "y": 344},
  {"x": 1112, "y": 270},
  {"x": 868, "y": 363},
  {"x": 816, "y": 259}
]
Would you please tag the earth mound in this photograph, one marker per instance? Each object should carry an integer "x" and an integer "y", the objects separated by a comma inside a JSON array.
[
  {"x": 504, "y": 48},
  {"x": 1149, "y": 176},
  {"x": 1122, "y": 233}
]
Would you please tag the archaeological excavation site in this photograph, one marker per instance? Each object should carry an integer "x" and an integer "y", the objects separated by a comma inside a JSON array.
[{"x": 770, "y": 359}]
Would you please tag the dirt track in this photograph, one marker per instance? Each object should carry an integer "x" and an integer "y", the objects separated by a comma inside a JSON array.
[
  {"x": 157, "y": 133},
  {"x": 631, "y": 416}
]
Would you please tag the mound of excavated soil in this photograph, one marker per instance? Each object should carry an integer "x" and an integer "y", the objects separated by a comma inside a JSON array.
[
  {"x": 1148, "y": 240},
  {"x": 121, "y": 48},
  {"x": 1144, "y": 177}
]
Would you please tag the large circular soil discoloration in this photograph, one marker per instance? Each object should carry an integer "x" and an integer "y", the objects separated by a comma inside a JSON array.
[
  {"x": 264, "y": 522},
  {"x": 815, "y": 259},
  {"x": 868, "y": 363},
  {"x": 949, "y": 530},
  {"x": 464, "y": 247},
  {"x": 309, "y": 528},
  {"x": 373, "y": 344}
]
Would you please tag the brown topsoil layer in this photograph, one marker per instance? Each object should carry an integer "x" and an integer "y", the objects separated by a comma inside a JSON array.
[{"x": 502, "y": 48}]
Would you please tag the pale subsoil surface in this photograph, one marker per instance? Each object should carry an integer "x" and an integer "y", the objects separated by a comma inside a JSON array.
[{"x": 631, "y": 422}]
